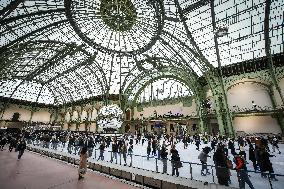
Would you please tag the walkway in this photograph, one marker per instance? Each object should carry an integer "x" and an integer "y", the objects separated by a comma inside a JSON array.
[{"x": 36, "y": 172}]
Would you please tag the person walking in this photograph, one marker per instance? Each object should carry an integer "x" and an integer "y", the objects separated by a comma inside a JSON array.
[
  {"x": 83, "y": 162},
  {"x": 21, "y": 148}
]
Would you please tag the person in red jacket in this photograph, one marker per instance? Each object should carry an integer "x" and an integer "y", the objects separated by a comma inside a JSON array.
[{"x": 242, "y": 172}]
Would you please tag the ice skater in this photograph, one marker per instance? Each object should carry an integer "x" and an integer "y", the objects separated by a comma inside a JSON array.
[
  {"x": 203, "y": 159},
  {"x": 21, "y": 148},
  {"x": 275, "y": 144}
]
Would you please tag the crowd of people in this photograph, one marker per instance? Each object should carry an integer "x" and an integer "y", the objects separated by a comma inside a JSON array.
[{"x": 161, "y": 147}]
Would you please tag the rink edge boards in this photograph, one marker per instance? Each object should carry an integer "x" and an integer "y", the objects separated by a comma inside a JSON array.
[{"x": 140, "y": 176}]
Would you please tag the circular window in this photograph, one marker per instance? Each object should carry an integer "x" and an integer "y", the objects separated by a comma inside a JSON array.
[{"x": 116, "y": 26}]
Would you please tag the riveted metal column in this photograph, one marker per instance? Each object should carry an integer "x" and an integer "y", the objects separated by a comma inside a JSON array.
[
  {"x": 278, "y": 114},
  {"x": 268, "y": 49},
  {"x": 224, "y": 104}
]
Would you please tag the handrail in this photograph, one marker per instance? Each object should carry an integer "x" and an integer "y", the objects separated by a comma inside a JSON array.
[
  {"x": 158, "y": 166},
  {"x": 187, "y": 162}
]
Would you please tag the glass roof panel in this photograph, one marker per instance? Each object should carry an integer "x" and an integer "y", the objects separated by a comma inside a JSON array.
[
  {"x": 164, "y": 89},
  {"x": 81, "y": 49}
]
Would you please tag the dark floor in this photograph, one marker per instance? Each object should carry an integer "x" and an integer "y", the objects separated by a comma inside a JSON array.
[{"x": 36, "y": 172}]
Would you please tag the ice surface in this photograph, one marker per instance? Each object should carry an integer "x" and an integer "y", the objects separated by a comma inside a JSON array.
[{"x": 139, "y": 159}]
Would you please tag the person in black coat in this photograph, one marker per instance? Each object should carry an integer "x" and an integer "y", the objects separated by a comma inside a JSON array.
[
  {"x": 3, "y": 143},
  {"x": 90, "y": 143},
  {"x": 102, "y": 149},
  {"x": 21, "y": 148},
  {"x": 13, "y": 144},
  {"x": 265, "y": 163},
  {"x": 231, "y": 146},
  {"x": 148, "y": 149},
  {"x": 222, "y": 170},
  {"x": 176, "y": 164},
  {"x": 164, "y": 157},
  {"x": 252, "y": 156},
  {"x": 114, "y": 150},
  {"x": 197, "y": 142}
]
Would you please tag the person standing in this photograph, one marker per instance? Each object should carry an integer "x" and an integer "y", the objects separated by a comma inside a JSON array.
[
  {"x": 265, "y": 163},
  {"x": 241, "y": 169},
  {"x": 242, "y": 152},
  {"x": 3, "y": 142},
  {"x": 130, "y": 152},
  {"x": 213, "y": 143},
  {"x": 76, "y": 146},
  {"x": 275, "y": 144},
  {"x": 90, "y": 144},
  {"x": 222, "y": 170},
  {"x": 197, "y": 142},
  {"x": 231, "y": 146},
  {"x": 148, "y": 149},
  {"x": 21, "y": 148},
  {"x": 176, "y": 163},
  {"x": 13, "y": 144},
  {"x": 71, "y": 141},
  {"x": 114, "y": 147},
  {"x": 123, "y": 150},
  {"x": 154, "y": 147},
  {"x": 252, "y": 156},
  {"x": 83, "y": 162},
  {"x": 184, "y": 140},
  {"x": 102, "y": 149},
  {"x": 159, "y": 149},
  {"x": 164, "y": 157},
  {"x": 143, "y": 140},
  {"x": 203, "y": 159}
]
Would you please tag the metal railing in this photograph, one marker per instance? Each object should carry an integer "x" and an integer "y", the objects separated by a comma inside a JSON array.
[{"x": 188, "y": 170}]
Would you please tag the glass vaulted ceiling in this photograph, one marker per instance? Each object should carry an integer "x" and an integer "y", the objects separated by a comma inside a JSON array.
[{"x": 57, "y": 51}]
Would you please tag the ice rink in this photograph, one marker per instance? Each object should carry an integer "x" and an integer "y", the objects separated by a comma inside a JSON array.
[{"x": 192, "y": 169}]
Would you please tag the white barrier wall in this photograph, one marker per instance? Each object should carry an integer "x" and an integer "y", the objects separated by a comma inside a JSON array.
[{"x": 256, "y": 124}]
